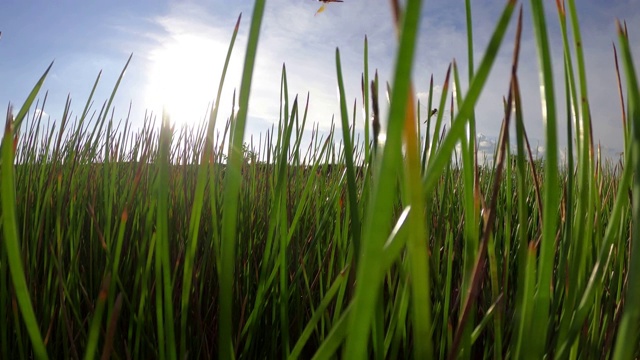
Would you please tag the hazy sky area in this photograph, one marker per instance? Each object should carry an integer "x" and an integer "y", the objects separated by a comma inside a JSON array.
[{"x": 179, "y": 48}]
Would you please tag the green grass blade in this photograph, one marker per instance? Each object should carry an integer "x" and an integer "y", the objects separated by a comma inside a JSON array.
[
  {"x": 602, "y": 264},
  {"x": 352, "y": 190},
  {"x": 196, "y": 210},
  {"x": 96, "y": 320},
  {"x": 10, "y": 226},
  {"x": 628, "y": 331},
  {"x": 365, "y": 99},
  {"x": 571, "y": 237},
  {"x": 115, "y": 90},
  {"x": 425, "y": 147},
  {"x": 522, "y": 341},
  {"x": 232, "y": 182},
  {"x": 551, "y": 189},
  {"x": 459, "y": 124},
  {"x": 162, "y": 229},
  {"x": 443, "y": 101},
  {"x": 318, "y": 313},
  {"x": 379, "y": 212},
  {"x": 30, "y": 98},
  {"x": 471, "y": 205},
  {"x": 585, "y": 207},
  {"x": 335, "y": 338}
]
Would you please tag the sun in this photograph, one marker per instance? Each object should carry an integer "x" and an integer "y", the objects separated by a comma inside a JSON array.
[{"x": 183, "y": 76}]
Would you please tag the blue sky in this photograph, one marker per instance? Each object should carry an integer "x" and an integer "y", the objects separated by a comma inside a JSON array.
[{"x": 179, "y": 47}]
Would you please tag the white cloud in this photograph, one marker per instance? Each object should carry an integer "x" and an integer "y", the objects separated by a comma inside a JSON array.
[
  {"x": 40, "y": 113},
  {"x": 291, "y": 34}
]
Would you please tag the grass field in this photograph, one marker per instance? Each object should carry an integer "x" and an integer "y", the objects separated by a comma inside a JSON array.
[{"x": 172, "y": 243}]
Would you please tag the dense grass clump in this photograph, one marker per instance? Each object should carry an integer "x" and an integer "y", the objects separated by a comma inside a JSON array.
[{"x": 167, "y": 243}]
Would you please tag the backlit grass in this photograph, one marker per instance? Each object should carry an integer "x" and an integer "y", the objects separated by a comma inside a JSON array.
[{"x": 186, "y": 242}]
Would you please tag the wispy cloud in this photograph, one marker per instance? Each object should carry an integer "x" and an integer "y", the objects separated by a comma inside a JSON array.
[
  {"x": 292, "y": 35},
  {"x": 39, "y": 113}
]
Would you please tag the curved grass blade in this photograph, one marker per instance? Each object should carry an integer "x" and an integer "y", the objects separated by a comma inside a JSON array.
[
  {"x": 586, "y": 205},
  {"x": 471, "y": 203},
  {"x": 478, "y": 270},
  {"x": 440, "y": 114},
  {"x": 365, "y": 100},
  {"x": 317, "y": 314},
  {"x": 628, "y": 331},
  {"x": 430, "y": 113},
  {"x": 550, "y": 204},
  {"x": 232, "y": 182},
  {"x": 163, "y": 274},
  {"x": 417, "y": 241},
  {"x": 526, "y": 307},
  {"x": 30, "y": 98},
  {"x": 571, "y": 104},
  {"x": 602, "y": 264},
  {"x": 111, "y": 330},
  {"x": 459, "y": 124},
  {"x": 335, "y": 338},
  {"x": 10, "y": 226},
  {"x": 94, "y": 327},
  {"x": 196, "y": 210},
  {"x": 115, "y": 90},
  {"x": 625, "y": 128},
  {"x": 352, "y": 190},
  {"x": 382, "y": 197},
  {"x": 279, "y": 217}
]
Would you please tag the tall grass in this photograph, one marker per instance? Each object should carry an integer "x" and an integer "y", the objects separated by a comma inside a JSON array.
[{"x": 192, "y": 242}]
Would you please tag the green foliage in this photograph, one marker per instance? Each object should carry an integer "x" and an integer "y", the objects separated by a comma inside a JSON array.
[{"x": 166, "y": 243}]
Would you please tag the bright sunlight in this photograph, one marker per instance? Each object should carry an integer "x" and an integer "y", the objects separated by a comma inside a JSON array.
[{"x": 183, "y": 76}]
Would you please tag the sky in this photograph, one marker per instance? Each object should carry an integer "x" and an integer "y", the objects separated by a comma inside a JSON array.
[{"x": 179, "y": 49}]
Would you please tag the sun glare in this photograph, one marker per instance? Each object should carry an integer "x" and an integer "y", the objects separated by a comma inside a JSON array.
[{"x": 183, "y": 77}]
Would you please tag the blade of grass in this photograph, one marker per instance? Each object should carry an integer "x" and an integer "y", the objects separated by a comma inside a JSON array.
[
  {"x": 30, "y": 98},
  {"x": 487, "y": 234},
  {"x": 317, "y": 314},
  {"x": 379, "y": 211},
  {"x": 459, "y": 124},
  {"x": 162, "y": 240},
  {"x": 111, "y": 330},
  {"x": 628, "y": 331},
  {"x": 232, "y": 182},
  {"x": 94, "y": 327},
  {"x": 352, "y": 190},
  {"x": 416, "y": 243},
  {"x": 440, "y": 114},
  {"x": 365, "y": 101},
  {"x": 196, "y": 210},
  {"x": 570, "y": 98},
  {"x": 542, "y": 298},
  {"x": 10, "y": 226},
  {"x": 585, "y": 207}
]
